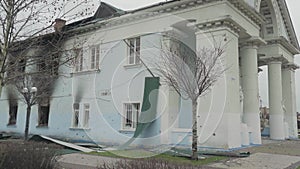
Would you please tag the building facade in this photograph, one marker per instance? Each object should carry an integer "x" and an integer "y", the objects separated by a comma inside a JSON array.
[{"x": 101, "y": 95}]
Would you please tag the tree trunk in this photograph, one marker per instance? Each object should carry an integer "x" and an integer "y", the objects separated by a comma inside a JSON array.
[
  {"x": 194, "y": 130},
  {"x": 27, "y": 121},
  {"x": 1, "y": 80}
]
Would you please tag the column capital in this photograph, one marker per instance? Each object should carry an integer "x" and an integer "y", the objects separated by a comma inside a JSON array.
[
  {"x": 290, "y": 66},
  {"x": 252, "y": 42},
  {"x": 266, "y": 60}
]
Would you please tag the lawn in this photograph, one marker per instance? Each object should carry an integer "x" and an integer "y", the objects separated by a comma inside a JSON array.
[{"x": 134, "y": 154}]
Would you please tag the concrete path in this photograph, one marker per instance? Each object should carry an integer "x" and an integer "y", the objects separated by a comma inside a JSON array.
[
  {"x": 259, "y": 161},
  {"x": 83, "y": 161}
]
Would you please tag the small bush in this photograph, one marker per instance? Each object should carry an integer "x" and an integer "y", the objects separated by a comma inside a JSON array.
[
  {"x": 147, "y": 164},
  {"x": 27, "y": 155}
]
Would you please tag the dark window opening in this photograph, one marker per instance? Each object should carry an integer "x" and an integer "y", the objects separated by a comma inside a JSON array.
[
  {"x": 76, "y": 115},
  {"x": 44, "y": 115},
  {"x": 13, "y": 110}
]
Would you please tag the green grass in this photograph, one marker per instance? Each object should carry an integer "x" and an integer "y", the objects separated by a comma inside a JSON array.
[
  {"x": 132, "y": 154},
  {"x": 298, "y": 167}
]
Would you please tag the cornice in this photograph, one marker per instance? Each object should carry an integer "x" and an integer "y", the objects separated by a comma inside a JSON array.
[
  {"x": 288, "y": 23},
  {"x": 284, "y": 42},
  {"x": 248, "y": 10},
  {"x": 165, "y": 8},
  {"x": 252, "y": 41},
  {"x": 223, "y": 22}
]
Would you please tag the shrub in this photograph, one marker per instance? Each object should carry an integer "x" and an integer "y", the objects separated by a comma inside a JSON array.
[{"x": 27, "y": 155}]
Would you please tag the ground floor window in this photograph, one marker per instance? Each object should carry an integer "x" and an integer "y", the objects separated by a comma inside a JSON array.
[
  {"x": 13, "y": 110},
  {"x": 131, "y": 114},
  {"x": 44, "y": 111},
  {"x": 81, "y": 115}
]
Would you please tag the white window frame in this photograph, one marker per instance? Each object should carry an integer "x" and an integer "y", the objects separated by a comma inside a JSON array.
[
  {"x": 87, "y": 58},
  {"x": 94, "y": 57},
  {"x": 135, "y": 113},
  {"x": 86, "y": 115},
  {"x": 134, "y": 51}
]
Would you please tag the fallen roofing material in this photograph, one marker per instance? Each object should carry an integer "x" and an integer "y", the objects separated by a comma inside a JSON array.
[{"x": 70, "y": 145}]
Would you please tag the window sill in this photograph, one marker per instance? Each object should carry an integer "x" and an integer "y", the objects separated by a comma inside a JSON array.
[
  {"x": 85, "y": 72},
  {"x": 79, "y": 128},
  {"x": 132, "y": 66},
  {"x": 42, "y": 126},
  {"x": 12, "y": 125},
  {"x": 131, "y": 130}
]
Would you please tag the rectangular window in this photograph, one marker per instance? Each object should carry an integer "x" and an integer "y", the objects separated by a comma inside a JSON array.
[
  {"x": 87, "y": 58},
  {"x": 76, "y": 115},
  {"x": 131, "y": 114},
  {"x": 44, "y": 111},
  {"x": 134, "y": 47},
  {"x": 79, "y": 60},
  {"x": 86, "y": 115},
  {"x": 269, "y": 20},
  {"x": 95, "y": 57},
  {"x": 270, "y": 30},
  {"x": 13, "y": 110}
]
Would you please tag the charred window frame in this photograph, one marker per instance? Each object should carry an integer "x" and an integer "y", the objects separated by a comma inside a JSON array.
[
  {"x": 78, "y": 59},
  {"x": 44, "y": 112},
  {"x": 48, "y": 66},
  {"x": 13, "y": 112},
  {"x": 75, "y": 115}
]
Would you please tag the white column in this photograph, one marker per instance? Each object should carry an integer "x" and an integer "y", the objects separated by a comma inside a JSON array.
[
  {"x": 249, "y": 72},
  {"x": 226, "y": 122},
  {"x": 289, "y": 100},
  {"x": 275, "y": 101}
]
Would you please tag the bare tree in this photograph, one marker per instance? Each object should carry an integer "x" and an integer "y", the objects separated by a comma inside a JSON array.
[
  {"x": 22, "y": 19},
  {"x": 191, "y": 74},
  {"x": 33, "y": 70}
]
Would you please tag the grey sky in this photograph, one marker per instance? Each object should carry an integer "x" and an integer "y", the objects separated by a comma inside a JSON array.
[{"x": 295, "y": 15}]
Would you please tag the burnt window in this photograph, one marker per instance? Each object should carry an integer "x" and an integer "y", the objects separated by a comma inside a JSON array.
[
  {"x": 44, "y": 111},
  {"x": 76, "y": 115},
  {"x": 13, "y": 110}
]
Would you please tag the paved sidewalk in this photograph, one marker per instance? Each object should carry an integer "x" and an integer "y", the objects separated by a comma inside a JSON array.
[
  {"x": 259, "y": 161},
  {"x": 271, "y": 155},
  {"x": 83, "y": 161}
]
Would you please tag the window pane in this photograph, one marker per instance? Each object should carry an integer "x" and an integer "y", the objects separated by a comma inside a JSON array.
[
  {"x": 98, "y": 57},
  {"x": 93, "y": 55}
]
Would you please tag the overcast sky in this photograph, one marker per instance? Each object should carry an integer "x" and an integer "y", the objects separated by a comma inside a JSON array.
[{"x": 293, "y": 6}]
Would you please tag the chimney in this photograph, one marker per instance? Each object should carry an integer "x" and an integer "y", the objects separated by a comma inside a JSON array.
[{"x": 59, "y": 24}]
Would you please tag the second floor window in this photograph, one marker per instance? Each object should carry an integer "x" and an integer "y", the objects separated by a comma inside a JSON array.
[
  {"x": 134, "y": 47},
  {"x": 87, "y": 58}
]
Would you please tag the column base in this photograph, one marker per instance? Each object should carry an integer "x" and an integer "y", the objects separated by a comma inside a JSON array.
[{"x": 277, "y": 129}]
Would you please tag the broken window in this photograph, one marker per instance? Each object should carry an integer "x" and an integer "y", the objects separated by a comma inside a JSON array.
[
  {"x": 134, "y": 46},
  {"x": 76, "y": 115},
  {"x": 44, "y": 111},
  {"x": 13, "y": 110},
  {"x": 79, "y": 60},
  {"x": 131, "y": 114}
]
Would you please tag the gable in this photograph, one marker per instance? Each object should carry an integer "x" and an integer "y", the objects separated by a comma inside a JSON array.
[{"x": 277, "y": 20}]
